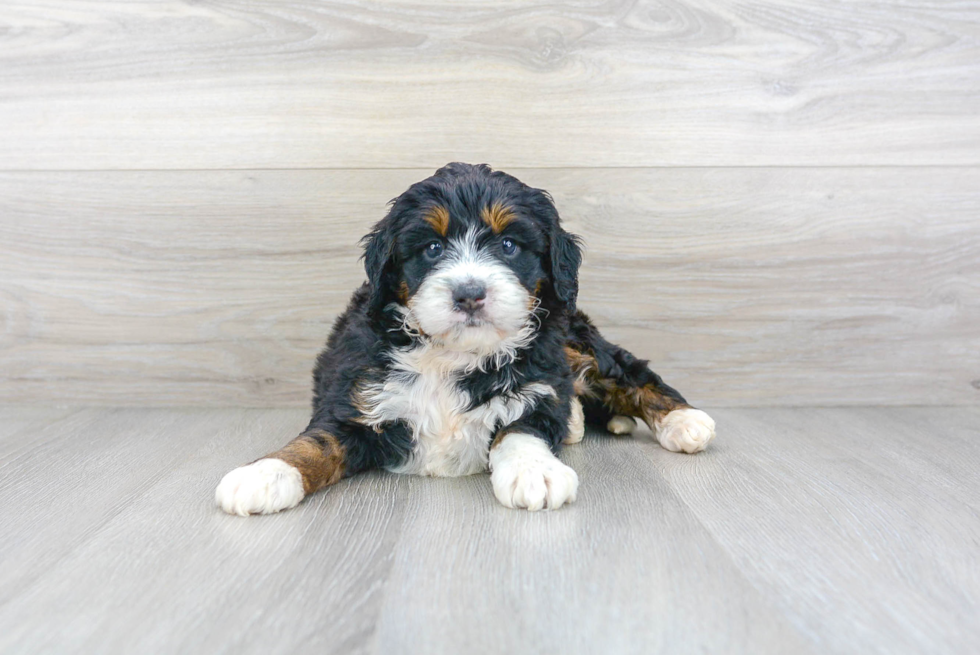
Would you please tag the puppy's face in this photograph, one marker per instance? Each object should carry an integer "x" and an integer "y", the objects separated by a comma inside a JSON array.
[
  {"x": 470, "y": 254},
  {"x": 472, "y": 281}
]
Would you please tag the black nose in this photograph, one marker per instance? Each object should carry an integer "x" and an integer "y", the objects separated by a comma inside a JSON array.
[{"x": 469, "y": 297}]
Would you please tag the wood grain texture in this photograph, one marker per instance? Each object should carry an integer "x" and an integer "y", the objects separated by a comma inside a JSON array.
[
  {"x": 743, "y": 286},
  {"x": 300, "y": 84},
  {"x": 21, "y": 424},
  {"x": 807, "y": 502},
  {"x": 147, "y": 523},
  {"x": 848, "y": 530},
  {"x": 648, "y": 581},
  {"x": 91, "y": 453}
]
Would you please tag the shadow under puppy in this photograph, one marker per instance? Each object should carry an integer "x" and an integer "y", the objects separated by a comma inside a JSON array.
[{"x": 464, "y": 351}]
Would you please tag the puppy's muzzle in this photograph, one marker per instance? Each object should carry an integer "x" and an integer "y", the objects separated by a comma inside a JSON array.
[{"x": 469, "y": 297}]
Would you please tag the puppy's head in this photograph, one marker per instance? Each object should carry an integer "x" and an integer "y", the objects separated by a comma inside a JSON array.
[{"x": 469, "y": 254}]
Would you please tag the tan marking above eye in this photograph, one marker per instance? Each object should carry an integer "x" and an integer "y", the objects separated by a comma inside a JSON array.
[
  {"x": 497, "y": 216},
  {"x": 438, "y": 218}
]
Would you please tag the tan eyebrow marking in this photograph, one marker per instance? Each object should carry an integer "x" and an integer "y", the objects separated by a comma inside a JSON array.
[
  {"x": 438, "y": 218},
  {"x": 497, "y": 216}
]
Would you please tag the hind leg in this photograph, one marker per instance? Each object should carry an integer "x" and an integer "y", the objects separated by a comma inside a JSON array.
[{"x": 617, "y": 385}]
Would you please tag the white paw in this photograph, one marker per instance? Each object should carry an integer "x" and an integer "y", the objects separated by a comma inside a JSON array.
[
  {"x": 685, "y": 430},
  {"x": 576, "y": 423},
  {"x": 525, "y": 473},
  {"x": 621, "y": 424},
  {"x": 263, "y": 487}
]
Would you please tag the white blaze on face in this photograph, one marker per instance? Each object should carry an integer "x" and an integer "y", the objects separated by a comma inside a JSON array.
[{"x": 505, "y": 311}]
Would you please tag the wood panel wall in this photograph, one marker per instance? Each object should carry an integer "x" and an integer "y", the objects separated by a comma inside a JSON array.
[{"x": 780, "y": 199}]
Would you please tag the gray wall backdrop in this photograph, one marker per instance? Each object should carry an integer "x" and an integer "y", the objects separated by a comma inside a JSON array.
[{"x": 780, "y": 199}]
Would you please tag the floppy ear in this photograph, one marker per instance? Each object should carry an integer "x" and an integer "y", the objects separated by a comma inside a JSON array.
[
  {"x": 565, "y": 252},
  {"x": 379, "y": 252},
  {"x": 566, "y": 257}
]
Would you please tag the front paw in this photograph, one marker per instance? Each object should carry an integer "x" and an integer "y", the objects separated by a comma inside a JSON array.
[
  {"x": 263, "y": 487},
  {"x": 526, "y": 474},
  {"x": 686, "y": 430}
]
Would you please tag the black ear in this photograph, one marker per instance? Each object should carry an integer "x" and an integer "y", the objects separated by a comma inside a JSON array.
[
  {"x": 379, "y": 254},
  {"x": 565, "y": 252},
  {"x": 566, "y": 257}
]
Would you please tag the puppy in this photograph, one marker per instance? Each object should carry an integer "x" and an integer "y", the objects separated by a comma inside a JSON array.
[{"x": 464, "y": 352}]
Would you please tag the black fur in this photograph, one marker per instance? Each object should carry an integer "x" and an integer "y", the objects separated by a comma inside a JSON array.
[
  {"x": 614, "y": 363},
  {"x": 362, "y": 339}
]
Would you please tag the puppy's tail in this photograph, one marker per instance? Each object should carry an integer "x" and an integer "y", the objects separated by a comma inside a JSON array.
[{"x": 613, "y": 384}]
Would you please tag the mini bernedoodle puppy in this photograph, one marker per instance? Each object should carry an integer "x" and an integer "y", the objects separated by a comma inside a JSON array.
[{"x": 464, "y": 351}]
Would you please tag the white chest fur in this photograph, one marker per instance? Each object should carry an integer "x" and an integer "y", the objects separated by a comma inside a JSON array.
[{"x": 421, "y": 390}]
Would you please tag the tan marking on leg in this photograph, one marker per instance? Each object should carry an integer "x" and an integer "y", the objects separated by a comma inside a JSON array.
[
  {"x": 580, "y": 362},
  {"x": 643, "y": 402},
  {"x": 320, "y": 465},
  {"x": 497, "y": 216},
  {"x": 585, "y": 369},
  {"x": 438, "y": 218}
]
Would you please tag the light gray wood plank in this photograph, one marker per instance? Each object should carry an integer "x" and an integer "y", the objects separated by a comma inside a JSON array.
[
  {"x": 861, "y": 524},
  {"x": 626, "y": 569},
  {"x": 91, "y": 85},
  {"x": 18, "y": 423},
  {"x": 74, "y": 475},
  {"x": 23, "y": 429},
  {"x": 169, "y": 573},
  {"x": 800, "y": 530},
  {"x": 743, "y": 286},
  {"x": 935, "y": 445}
]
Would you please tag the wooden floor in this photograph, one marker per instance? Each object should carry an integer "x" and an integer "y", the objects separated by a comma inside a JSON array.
[{"x": 799, "y": 531}]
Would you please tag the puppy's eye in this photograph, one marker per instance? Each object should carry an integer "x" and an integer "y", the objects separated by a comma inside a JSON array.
[
  {"x": 508, "y": 247},
  {"x": 433, "y": 251}
]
